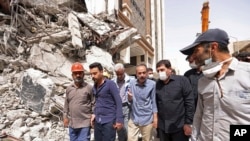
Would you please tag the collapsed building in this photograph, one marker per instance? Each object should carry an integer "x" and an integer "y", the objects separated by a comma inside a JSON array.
[{"x": 39, "y": 40}]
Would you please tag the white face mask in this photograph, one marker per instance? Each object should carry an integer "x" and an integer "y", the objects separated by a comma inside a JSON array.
[
  {"x": 150, "y": 76},
  {"x": 208, "y": 61},
  {"x": 193, "y": 65},
  {"x": 211, "y": 69},
  {"x": 162, "y": 75}
]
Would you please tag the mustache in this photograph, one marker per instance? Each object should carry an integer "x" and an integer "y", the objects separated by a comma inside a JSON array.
[
  {"x": 142, "y": 77},
  {"x": 78, "y": 80}
]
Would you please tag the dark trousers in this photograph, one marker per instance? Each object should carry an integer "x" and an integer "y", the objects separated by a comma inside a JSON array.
[
  {"x": 123, "y": 133},
  {"x": 104, "y": 132},
  {"x": 177, "y": 136}
]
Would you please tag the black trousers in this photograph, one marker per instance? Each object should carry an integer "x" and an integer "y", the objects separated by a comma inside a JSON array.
[{"x": 177, "y": 136}]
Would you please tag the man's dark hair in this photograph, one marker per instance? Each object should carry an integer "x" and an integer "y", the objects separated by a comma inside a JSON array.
[
  {"x": 96, "y": 65},
  {"x": 142, "y": 65},
  {"x": 243, "y": 56},
  {"x": 223, "y": 48},
  {"x": 166, "y": 63},
  {"x": 174, "y": 71},
  {"x": 149, "y": 69}
]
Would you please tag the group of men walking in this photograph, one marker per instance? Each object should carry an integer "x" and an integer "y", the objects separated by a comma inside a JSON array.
[{"x": 130, "y": 107}]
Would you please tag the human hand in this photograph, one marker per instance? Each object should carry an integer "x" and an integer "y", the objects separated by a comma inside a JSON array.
[
  {"x": 130, "y": 95},
  {"x": 65, "y": 122},
  {"x": 118, "y": 126},
  {"x": 92, "y": 120},
  {"x": 155, "y": 123},
  {"x": 187, "y": 129}
]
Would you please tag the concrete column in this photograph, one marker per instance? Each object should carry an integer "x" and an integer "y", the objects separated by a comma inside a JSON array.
[
  {"x": 159, "y": 29},
  {"x": 148, "y": 23},
  {"x": 163, "y": 23},
  {"x": 153, "y": 30},
  {"x": 146, "y": 59}
]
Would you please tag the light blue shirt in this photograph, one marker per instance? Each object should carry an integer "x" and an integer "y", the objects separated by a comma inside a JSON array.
[
  {"x": 143, "y": 104},
  {"x": 124, "y": 88}
]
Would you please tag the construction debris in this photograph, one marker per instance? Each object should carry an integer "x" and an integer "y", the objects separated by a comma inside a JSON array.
[{"x": 39, "y": 40}]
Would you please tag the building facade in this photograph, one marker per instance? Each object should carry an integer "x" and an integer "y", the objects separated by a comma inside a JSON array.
[
  {"x": 238, "y": 47},
  {"x": 147, "y": 16}
]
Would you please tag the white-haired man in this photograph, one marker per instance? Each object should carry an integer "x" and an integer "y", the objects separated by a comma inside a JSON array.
[{"x": 122, "y": 82}]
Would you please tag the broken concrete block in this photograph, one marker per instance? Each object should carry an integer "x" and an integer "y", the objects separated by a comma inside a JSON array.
[
  {"x": 124, "y": 37},
  {"x": 36, "y": 90},
  {"x": 56, "y": 37},
  {"x": 96, "y": 25},
  {"x": 97, "y": 54},
  {"x": 74, "y": 29}
]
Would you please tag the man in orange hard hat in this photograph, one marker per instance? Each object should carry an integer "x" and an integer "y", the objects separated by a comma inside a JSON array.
[{"x": 78, "y": 106}]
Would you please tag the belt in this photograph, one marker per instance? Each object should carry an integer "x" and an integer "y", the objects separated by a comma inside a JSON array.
[{"x": 124, "y": 104}]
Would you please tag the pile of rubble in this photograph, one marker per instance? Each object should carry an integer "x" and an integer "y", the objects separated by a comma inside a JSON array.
[{"x": 39, "y": 40}]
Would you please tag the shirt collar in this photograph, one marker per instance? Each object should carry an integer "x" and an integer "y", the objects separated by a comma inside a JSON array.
[
  {"x": 83, "y": 85},
  {"x": 171, "y": 78},
  {"x": 138, "y": 84},
  {"x": 126, "y": 78},
  {"x": 123, "y": 81},
  {"x": 233, "y": 64},
  {"x": 104, "y": 82}
]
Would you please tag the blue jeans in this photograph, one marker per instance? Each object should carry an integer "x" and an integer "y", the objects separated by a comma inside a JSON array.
[
  {"x": 79, "y": 134},
  {"x": 123, "y": 133},
  {"x": 104, "y": 132}
]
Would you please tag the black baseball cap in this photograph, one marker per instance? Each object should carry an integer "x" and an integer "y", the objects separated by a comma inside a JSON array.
[{"x": 211, "y": 35}]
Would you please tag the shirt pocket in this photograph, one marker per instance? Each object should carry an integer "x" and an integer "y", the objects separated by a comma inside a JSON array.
[
  {"x": 240, "y": 96},
  {"x": 238, "y": 100}
]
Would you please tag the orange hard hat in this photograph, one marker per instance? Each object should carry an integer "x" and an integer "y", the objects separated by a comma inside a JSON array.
[{"x": 77, "y": 67}]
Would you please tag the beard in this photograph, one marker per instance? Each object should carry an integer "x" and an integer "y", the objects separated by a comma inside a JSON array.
[
  {"x": 95, "y": 80},
  {"x": 78, "y": 80}
]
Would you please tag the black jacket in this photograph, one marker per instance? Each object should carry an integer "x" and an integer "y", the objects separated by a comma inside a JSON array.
[
  {"x": 193, "y": 75},
  {"x": 175, "y": 103}
]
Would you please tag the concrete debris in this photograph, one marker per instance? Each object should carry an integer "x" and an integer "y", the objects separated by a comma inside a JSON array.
[
  {"x": 39, "y": 41},
  {"x": 6, "y": 137},
  {"x": 98, "y": 26},
  {"x": 96, "y": 54},
  {"x": 124, "y": 39},
  {"x": 74, "y": 28},
  {"x": 36, "y": 90},
  {"x": 56, "y": 37}
]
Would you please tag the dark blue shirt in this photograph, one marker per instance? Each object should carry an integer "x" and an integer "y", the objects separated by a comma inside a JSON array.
[{"x": 108, "y": 103}]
